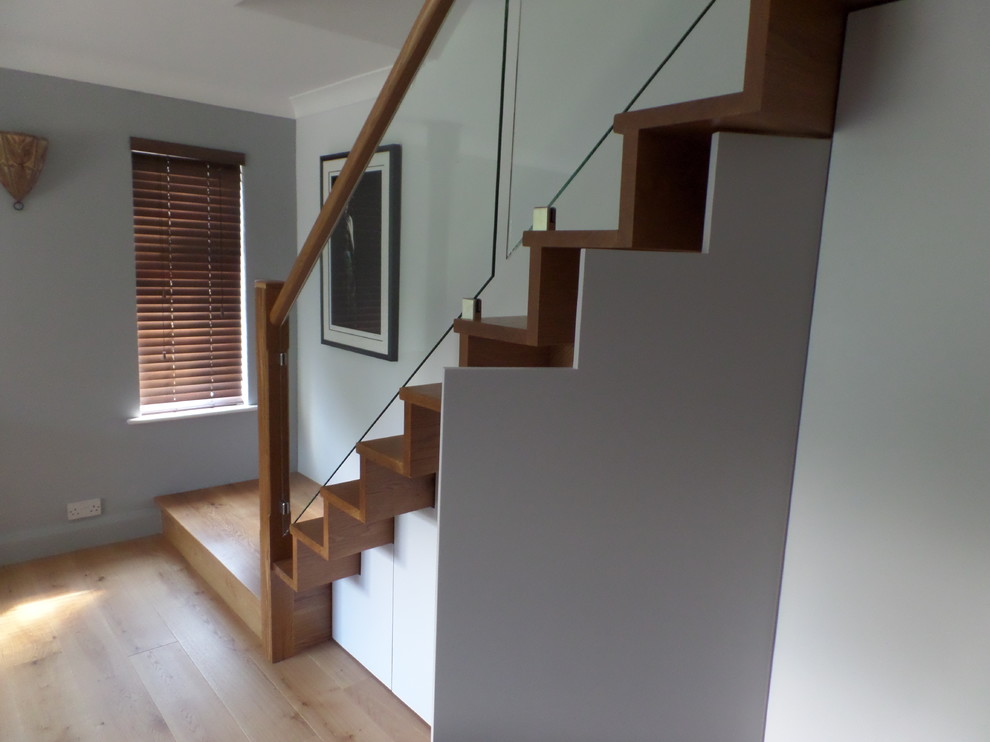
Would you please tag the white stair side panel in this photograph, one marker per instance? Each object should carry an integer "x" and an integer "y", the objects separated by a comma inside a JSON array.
[{"x": 612, "y": 535}]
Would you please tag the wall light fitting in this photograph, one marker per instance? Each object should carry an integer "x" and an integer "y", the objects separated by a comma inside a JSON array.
[{"x": 22, "y": 156}]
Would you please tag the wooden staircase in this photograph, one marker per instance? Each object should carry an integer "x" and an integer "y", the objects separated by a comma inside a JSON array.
[
  {"x": 398, "y": 475},
  {"x": 791, "y": 83}
]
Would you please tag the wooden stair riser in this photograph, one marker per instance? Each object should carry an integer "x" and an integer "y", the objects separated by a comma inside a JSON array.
[
  {"x": 386, "y": 494},
  {"x": 349, "y": 536},
  {"x": 554, "y": 274},
  {"x": 480, "y": 352},
  {"x": 422, "y": 441},
  {"x": 664, "y": 190}
]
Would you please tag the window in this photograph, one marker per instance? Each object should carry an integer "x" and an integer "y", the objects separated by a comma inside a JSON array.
[{"x": 187, "y": 246}]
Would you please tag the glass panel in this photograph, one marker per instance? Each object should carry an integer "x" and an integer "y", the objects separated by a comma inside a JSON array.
[
  {"x": 612, "y": 57},
  {"x": 555, "y": 72},
  {"x": 448, "y": 129}
]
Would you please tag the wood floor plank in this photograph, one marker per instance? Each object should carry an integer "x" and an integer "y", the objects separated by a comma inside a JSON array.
[
  {"x": 45, "y": 703},
  {"x": 221, "y": 648},
  {"x": 124, "y": 604},
  {"x": 111, "y": 691},
  {"x": 38, "y": 699},
  {"x": 69, "y": 670},
  {"x": 397, "y": 721},
  {"x": 192, "y": 710},
  {"x": 362, "y": 689},
  {"x": 322, "y": 703},
  {"x": 26, "y": 633}
]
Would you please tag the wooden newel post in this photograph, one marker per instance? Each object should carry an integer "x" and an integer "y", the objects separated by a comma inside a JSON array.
[{"x": 273, "y": 469}]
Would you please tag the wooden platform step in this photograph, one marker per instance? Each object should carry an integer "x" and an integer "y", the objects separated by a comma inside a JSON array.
[{"x": 217, "y": 530}]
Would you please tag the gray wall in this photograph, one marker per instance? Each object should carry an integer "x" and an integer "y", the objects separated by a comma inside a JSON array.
[
  {"x": 886, "y": 600},
  {"x": 68, "y": 352}
]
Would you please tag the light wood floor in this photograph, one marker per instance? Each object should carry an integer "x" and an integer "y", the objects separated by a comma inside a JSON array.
[{"x": 123, "y": 643}]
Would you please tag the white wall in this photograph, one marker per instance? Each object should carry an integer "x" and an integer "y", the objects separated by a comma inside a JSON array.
[
  {"x": 886, "y": 602},
  {"x": 68, "y": 364},
  {"x": 612, "y": 535}
]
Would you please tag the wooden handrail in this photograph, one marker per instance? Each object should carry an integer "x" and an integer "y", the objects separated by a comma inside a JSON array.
[{"x": 407, "y": 64}]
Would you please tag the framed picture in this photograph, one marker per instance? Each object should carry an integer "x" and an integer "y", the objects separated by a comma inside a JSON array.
[{"x": 359, "y": 268}]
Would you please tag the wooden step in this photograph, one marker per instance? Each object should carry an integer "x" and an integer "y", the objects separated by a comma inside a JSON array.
[
  {"x": 339, "y": 534},
  {"x": 791, "y": 76},
  {"x": 663, "y": 196},
  {"x": 381, "y": 493},
  {"x": 506, "y": 341},
  {"x": 388, "y": 452},
  {"x": 307, "y": 570},
  {"x": 423, "y": 395},
  {"x": 551, "y": 313},
  {"x": 415, "y": 453},
  {"x": 344, "y": 496},
  {"x": 604, "y": 239},
  {"x": 386, "y": 494},
  {"x": 790, "y": 87},
  {"x": 502, "y": 329}
]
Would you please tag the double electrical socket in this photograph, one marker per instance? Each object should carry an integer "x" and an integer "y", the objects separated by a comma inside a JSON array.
[{"x": 84, "y": 508}]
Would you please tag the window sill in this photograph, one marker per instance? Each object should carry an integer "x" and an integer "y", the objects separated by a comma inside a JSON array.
[{"x": 185, "y": 414}]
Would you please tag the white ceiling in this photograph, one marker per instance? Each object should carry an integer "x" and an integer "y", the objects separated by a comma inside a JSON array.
[{"x": 254, "y": 55}]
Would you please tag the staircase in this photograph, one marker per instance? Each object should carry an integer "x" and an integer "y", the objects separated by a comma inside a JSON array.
[{"x": 791, "y": 83}]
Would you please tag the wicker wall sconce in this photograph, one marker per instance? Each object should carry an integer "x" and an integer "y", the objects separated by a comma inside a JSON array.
[{"x": 22, "y": 156}]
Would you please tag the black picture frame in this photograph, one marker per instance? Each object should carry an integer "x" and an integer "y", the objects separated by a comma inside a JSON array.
[{"x": 359, "y": 267}]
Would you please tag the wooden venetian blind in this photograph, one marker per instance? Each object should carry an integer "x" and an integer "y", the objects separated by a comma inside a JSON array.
[{"x": 187, "y": 241}]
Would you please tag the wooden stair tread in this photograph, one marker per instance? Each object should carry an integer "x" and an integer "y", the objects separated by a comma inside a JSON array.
[
  {"x": 387, "y": 452},
  {"x": 503, "y": 329},
  {"x": 424, "y": 395},
  {"x": 309, "y": 532},
  {"x": 586, "y": 239},
  {"x": 573, "y": 238}
]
